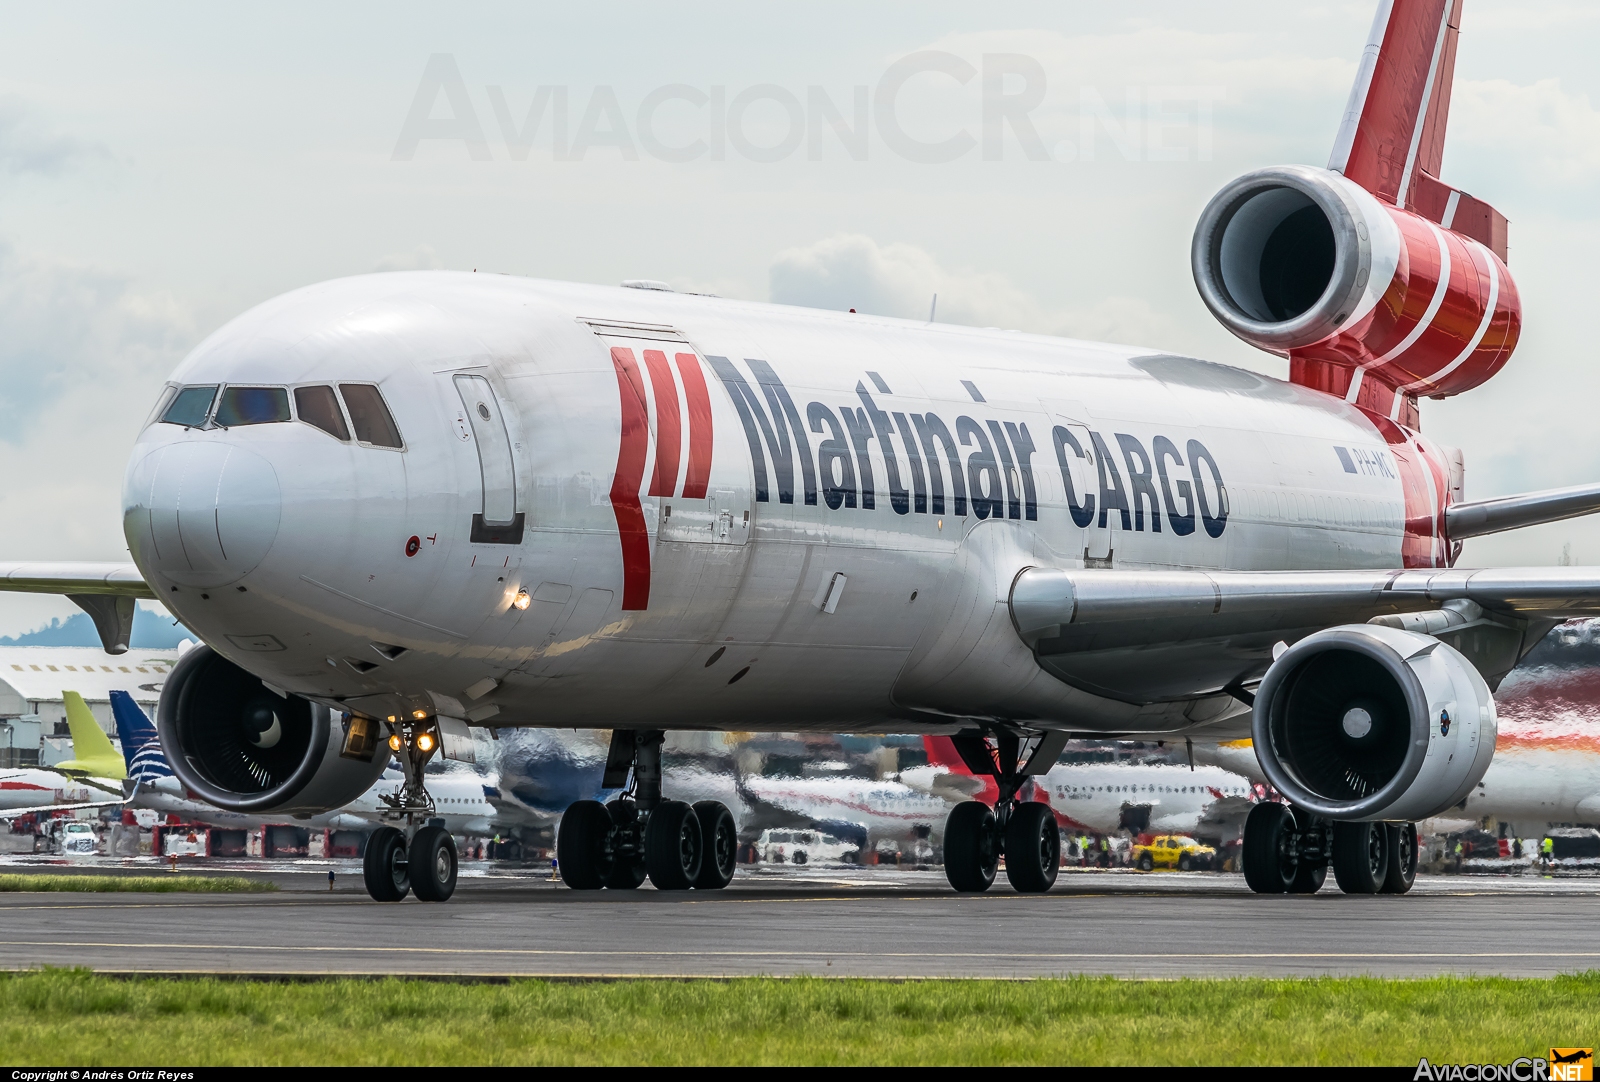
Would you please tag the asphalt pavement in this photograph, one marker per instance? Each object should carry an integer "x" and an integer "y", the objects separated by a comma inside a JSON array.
[{"x": 830, "y": 922}]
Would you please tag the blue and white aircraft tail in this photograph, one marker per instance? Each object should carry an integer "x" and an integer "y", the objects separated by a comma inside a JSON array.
[{"x": 141, "y": 746}]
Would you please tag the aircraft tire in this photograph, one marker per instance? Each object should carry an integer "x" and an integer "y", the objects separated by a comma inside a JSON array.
[
  {"x": 383, "y": 866},
  {"x": 584, "y": 853},
  {"x": 971, "y": 856},
  {"x": 432, "y": 862},
  {"x": 721, "y": 839},
  {"x": 1308, "y": 880},
  {"x": 673, "y": 847},
  {"x": 1033, "y": 848},
  {"x": 627, "y": 862},
  {"x": 1268, "y": 833},
  {"x": 1360, "y": 856},
  {"x": 1402, "y": 869}
]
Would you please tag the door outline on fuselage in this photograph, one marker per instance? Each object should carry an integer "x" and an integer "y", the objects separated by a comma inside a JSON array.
[
  {"x": 674, "y": 509},
  {"x": 484, "y": 414}
]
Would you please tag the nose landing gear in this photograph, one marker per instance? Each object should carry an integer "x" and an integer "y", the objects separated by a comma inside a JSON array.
[
  {"x": 424, "y": 863},
  {"x": 1289, "y": 851},
  {"x": 640, "y": 834},
  {"x": 1024, "y": 832}
]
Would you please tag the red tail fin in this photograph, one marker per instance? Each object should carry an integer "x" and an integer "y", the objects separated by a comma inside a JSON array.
[{"x": 1391, "y": 140}]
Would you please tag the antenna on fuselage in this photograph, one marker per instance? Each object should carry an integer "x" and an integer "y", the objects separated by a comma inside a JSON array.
[{"x": 933, "y": 308}]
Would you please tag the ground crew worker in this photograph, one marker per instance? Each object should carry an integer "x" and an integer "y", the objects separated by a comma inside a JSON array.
[{"x": 1547, "y": 849}]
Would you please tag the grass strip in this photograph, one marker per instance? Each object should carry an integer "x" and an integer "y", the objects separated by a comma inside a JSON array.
[
  {"x": 135, "y": 884},
  {"x": 52, "y": 1016}
]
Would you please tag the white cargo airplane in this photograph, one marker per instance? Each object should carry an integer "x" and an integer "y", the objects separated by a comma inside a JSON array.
[{"x": 397, "y": 505}]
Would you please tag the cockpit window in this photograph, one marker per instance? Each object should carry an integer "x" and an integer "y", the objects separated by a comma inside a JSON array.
[
  {"x": 252, "y": 406},
  {"x": 370, "y": 416},
  {"x": 317, "y": 406},
  {"x": 191, "y": 406}
]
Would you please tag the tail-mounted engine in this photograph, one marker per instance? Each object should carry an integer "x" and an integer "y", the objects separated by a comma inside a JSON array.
[
  {"x": 236, "y": 743},
  {"x": 1365, "y": 722},
  {"x": 1369, "y": 301}
]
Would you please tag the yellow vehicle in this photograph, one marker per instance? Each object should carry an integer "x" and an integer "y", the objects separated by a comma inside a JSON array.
[{"x": 1173, "y": 851}]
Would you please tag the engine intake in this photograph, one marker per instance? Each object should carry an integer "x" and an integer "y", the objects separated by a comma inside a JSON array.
[
  {"x": 236, "y": 744},
  {"x": 1306, "y": 263},
  {"x": 1365, "y": 722}
]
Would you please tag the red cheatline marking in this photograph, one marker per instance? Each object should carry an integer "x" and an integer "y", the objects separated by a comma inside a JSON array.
[
  {"x": 669, "y": 427},
  {"x": 698, "y": 475},
  {"x": 625, "y": 485}
]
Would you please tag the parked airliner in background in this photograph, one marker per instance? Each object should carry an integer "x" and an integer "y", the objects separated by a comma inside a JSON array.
[
  {"x": 400, "y": 505},
  {"x": 1104, "y": 798}
]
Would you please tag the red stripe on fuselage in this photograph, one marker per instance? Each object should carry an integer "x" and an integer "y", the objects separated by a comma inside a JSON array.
[
  {"x": 698, "y": 476},
  {"x": 669, "y": 427},
  {"x": 631, "y": 451},
  {"x": 1425, "y": 483}
]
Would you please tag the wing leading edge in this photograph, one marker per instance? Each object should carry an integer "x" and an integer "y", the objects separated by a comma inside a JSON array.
[{"x": 106, "y": 591}]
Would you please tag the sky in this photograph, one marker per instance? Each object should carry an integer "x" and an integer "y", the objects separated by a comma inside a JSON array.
[{"x": 1038, "y": 166}]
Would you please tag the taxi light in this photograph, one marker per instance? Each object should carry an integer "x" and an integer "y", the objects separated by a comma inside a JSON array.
[
  {"x": 419, "y": 714},
  {"x": 395, "y": 743},
  {"x": 425, "y": 742},
  {"x": 522, "y": 600}
]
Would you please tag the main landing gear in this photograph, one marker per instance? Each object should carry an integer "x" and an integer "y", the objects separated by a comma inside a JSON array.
[
  {"x": 1288, "y": 851},
  {"x": 421, "y": 858},
  {"x": 639, "y": 834},
  {"x": 1025, "y": 833}
]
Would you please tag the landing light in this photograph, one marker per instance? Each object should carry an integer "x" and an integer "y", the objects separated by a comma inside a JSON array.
[
  {"x": 425, "y": 742},
  {"x": 522, "y": 600},
  {"x": 419, "y": 714},
  {"x": 395, "y": 743}
]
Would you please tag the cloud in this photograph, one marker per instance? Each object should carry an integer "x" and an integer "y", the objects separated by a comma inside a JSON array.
[
  {"x": 853, "y": 271},
  {"x": 65, "y": 327},
  {"x": 27, "y": 147},
  {"x": 422, "y": 257},
  {"x": 1540, "y": 136}
]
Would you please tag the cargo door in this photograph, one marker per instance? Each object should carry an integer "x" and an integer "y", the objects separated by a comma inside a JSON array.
[{"x": 687, "y": 491}]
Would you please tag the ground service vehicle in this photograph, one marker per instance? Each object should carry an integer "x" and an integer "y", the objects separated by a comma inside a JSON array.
[{"x": 1172, "y": 851}]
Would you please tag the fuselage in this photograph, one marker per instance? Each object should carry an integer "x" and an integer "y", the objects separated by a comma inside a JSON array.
[
  {"x": 31, "y": 788},
  {"x": 613, "y": 505},
  {"x": 459, "y": 799}
]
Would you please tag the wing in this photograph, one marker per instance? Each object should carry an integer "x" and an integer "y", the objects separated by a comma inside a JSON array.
[
  {"x": 1163, "y": 636},
  {"x": 106, "y": 591}
]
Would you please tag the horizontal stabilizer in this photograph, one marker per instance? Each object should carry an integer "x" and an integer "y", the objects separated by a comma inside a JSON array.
[{"x": 1464, "y": 520}]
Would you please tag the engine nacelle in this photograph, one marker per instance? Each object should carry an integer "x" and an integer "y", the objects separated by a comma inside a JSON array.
[
  {"x": 1308, "y": 264},
  {"x": 236, "y": 744},
  {"x": 1364, "y": 722}
]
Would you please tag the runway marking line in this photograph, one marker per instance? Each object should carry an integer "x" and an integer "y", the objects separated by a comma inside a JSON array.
[{"x": 533, "y": 952}]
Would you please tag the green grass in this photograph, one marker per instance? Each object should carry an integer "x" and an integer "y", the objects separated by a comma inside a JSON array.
[
  {"x": 135, "y": 884},
  {"x": 52, "y": 1017}
]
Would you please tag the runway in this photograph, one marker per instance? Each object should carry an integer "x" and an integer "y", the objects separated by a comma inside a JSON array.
[{"x": 868, "y": 923}]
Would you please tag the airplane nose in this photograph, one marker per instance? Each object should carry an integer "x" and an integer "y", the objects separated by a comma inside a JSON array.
[{"x": 210, "y": 512}]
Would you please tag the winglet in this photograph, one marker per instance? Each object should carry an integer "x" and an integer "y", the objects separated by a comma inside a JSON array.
[
  {"x": 91, "y": 748},
  {"x": 1391, "y": 138}
]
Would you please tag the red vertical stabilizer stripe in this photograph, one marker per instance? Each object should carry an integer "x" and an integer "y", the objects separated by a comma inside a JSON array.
[
  {"x": 1397, "y": 98},
  {"x": 669, "y": 426},
  {"x": 631, "y": 451},
  {"x": 698, "y": 475}
]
